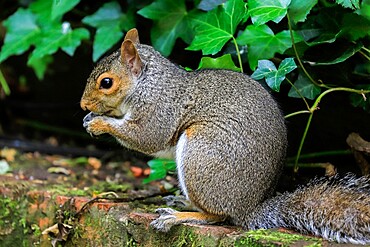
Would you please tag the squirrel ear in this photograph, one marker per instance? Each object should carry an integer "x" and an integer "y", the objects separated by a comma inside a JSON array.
[
  {"x": 133, "y": 35},
  {"x": 130, "y": 57}
]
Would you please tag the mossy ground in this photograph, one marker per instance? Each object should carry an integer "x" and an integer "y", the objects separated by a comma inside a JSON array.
[{"x": 42, "y": 207}]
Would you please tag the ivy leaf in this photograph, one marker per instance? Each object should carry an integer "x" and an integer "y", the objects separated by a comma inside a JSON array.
[
  {"x": 274, "y": 77},
  {"x": 159, "y": 169},
  {"x": 263, "y": 43},
  {"x": 352, "y": 4},
  {"x": 299, "y": 9},
  {"x": 105, "y": 38},
  {"x": 223, "y": 62},
  {"x": 267, "y": 10},
  {"x": 109, "y": 22},
  {"x": 305, "y": 87},
  {"x": 22, "y": 32},
  {"x": 265, "y": 69},
  {"x": 108, "y": 15},
  {"x": 42, "y": 9},
  {"x": 355, "y": 26},
  {"x": 73, "y": 39},
  {"x": 60, "y": 36},
  {"x": 314, "y": 37},
  {"x": 208, "y": 5},
  {"x": 215, "y": 28},
  {"x": 365, "y": 9},
  {"x": 170, "y": 23},
  {"x": 358, "y": 100},
  {"x": 60, "y": 7},
  {"x": 39, "y": 65},
  {"x": 349, "y": 52}
]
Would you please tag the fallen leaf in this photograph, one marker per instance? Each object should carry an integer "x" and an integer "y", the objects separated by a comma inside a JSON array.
[
  {"x": 94, "y": 163},
  {"x": 8, "y": 154},
  {"x": 4, "y": 167},
  {"x": 59, "y": 170}
]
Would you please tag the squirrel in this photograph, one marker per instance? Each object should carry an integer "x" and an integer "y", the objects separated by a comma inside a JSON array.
[{"x": 228, "y": 137}]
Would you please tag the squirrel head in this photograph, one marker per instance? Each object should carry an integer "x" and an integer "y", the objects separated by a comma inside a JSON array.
[{"x": 112, "y": 78}]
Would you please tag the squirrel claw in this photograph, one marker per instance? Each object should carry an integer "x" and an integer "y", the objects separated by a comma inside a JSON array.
[{"x": 87, "y": 119}]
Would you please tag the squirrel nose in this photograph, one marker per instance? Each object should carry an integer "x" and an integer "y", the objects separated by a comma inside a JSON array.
[{"x": 83, "y": 105}]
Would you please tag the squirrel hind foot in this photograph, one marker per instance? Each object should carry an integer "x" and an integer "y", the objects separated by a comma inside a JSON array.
[
  {"x": 170, "y": 217},
  {"x": 165, "y": 221},
  {"x": 179, "y": 202}
]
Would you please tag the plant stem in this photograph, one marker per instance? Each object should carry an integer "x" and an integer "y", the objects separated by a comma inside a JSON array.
[
  {"x": 296, "y": 113},
  {"x": 367, "y": 50},
  {"x": 238, "y": 53},
  {"x": 302, "y": 142},
  {"x": 299, "y": 93},
  {"x": 313, "y": 109},
  {"x": 321, "y": 154},
  {"x": 4, "y": 84},
  {"x": 297, "y": 56},
  {"x": 365, "y": 55}
]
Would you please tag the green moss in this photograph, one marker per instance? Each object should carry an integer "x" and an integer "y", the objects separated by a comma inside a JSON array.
[
  {"x": 61, "y": 189},
  {"x": 13, "y": 224},
  {"x": 272, "y": 238},
  {"x": 99, "y": 228},
  {"x": 107, "y": 186}
]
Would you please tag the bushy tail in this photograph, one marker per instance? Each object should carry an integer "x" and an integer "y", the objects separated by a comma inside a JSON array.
[{"x": 334, "y": 209}]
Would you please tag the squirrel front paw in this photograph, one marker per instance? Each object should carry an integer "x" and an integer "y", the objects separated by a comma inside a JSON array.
[{"x": 95, "y": 125}]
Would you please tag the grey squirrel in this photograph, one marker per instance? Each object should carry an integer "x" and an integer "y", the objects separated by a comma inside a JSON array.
[{"x": 228, "y": 137}]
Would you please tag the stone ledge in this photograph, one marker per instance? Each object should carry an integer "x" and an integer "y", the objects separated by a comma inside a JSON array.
[{"x": 29, "y": 209}]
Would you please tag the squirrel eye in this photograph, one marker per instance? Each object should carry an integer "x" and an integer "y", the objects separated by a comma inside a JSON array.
[{"x": 106, "y": 83}]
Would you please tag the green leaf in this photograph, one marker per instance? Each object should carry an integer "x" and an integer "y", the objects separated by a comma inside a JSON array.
[
  {"x": 159, "y": 169},
  {"x": 109, "y": 14},
  {"x": 262, "y": 11},
  {"x": 40, "y": 65},
  {"x": 42, "y": 9},
  {"x": 215, "y": 28},
  {"x": 305, "y": 87},
  {"x": 274, "y": 77},
  {"x": 299, "y": 9},
  {"x": 60, "y": 36},
  {"x": 60, "y": 7},
  {"x": 352, "y": 50},
  {"x": 286, "y": 66},
  {"x": 265, "y": 69},
  {"x": 352, "y": 4},
  {"x": 365, "y": 9},
  {"x": 105, "y": 38},
  {"x": 110, "y": 22},
  {"x": 208, "y": 5},
  {"x": 355, "y": 26},
  {"x": 22, "y": 32},
  {"x": 223, "y": 62},
  {"x": 73, "y": 39},
  {"x": 359, "y": 100},
  {"x": 170, "y": 23},
  {"x": 314, "y": 37},
  {"x": 263, "y": 43}
]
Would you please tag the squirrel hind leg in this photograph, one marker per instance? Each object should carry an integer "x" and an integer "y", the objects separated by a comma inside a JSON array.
[{"x": 170, "y": 217}]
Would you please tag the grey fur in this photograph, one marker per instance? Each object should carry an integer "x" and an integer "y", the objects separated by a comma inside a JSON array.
[{"x": 335, "y": 209}]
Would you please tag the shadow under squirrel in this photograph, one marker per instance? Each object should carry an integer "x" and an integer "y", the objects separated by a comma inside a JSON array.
[{"x": 228, "y": 138}]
